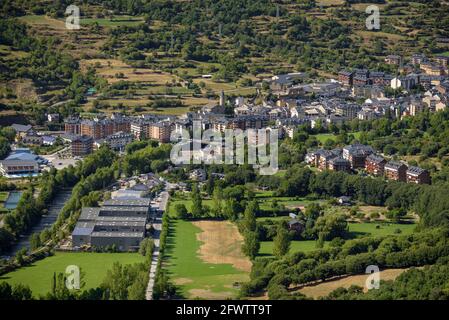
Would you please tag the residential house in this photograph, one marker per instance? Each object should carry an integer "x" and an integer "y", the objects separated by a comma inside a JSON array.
[
  {"x": 417, "y": 59},
  {"x": 53, "y": 117},
  {"x": 344, "y": 201},
  {"x": 32, "y": 138},
  {"x": 396, "y": 171},
  {"x": 442, "y": 60},
  {"x": 339, "y": 164},
  {"x": 432, "y": 69},
  {"x": 375, "y": 165},
  {"x": 345, "y": 77},
  {"x": 393, "y": 59},
  {"x": 356, "y": 154},
  {"x": 82, "y": 146},
  {"x": 417, "y": 175},
  {"x": 296, "y": 225},
  {"x": 21, "y": 130}
]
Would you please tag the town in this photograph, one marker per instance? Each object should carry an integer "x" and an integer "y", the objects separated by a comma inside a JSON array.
[{"x": 224, "y": 150}]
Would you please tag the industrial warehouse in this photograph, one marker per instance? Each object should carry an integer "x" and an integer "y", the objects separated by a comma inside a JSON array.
[{"x": 119, "y": 224}]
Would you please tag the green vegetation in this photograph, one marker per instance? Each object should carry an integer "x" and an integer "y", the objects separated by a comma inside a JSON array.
[
  {"x": 355, "y": 230},
  {"x": 188, "y": 271},
  {"x": 429, "y": 283},
  {"x": 38, "y": 276},
  {"x": 118, "y": 21},
  {"x": 380, "y": 229},
  {"x": 266, "y": 247},
  {"x": 3, "y": 196}
]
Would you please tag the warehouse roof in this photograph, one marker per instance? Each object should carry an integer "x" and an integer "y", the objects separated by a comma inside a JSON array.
[
  {"x": 89, "y": 214},
  {"x": 127, "y": 202},
  {"x": 107, "y": 234}
]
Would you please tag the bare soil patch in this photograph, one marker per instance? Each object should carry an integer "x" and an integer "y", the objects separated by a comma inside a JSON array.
[
  {"x": 325, "y": 288},
  {"x": 181, "y": 281},
  {"x": 201, "y": 293}
]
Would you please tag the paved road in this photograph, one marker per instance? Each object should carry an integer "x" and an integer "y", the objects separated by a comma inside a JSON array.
[
  {"x": 157, "y": 225},
  {"x": 46, "y": 221}
]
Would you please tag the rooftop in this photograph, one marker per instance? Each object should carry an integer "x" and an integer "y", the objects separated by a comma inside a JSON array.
[
  {"x": 394, "y": 165},
  {"x": 127, "y": 202},
  {"x": 415, "y": 171},
  {"x": 375, "y": 158},
  {"x": 21, "y": 127},
  {"x": 107, "y": 234}
]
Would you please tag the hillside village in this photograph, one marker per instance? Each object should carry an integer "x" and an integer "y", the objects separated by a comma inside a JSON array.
[
  {"x": 357, "y": 94},
  {"x": 92, "y": 112}
]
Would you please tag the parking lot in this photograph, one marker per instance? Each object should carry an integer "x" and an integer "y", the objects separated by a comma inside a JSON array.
[{"x": 61, "y": 159}]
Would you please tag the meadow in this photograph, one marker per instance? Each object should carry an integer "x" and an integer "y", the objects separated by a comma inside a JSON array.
[
  {"x": 188, "y": 263},
  {"x": 356, "y": 230},
  {"x": 38, "y": 276},
  {"x": 323, "y": 137}
]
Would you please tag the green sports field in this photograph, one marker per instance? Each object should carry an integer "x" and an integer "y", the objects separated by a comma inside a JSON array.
[
  {"x": 192, "y": 276},
  {"x": 94, "y": 265}
]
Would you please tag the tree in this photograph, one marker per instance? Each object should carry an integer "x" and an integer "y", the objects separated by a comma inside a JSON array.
[
  {"x": 331, "y": 226},
  {"x": 4, "y": 147},
  {"x": 35, "y": 241},
  {"x": 209, "y": 186},
  {"x": 137, "y": 290},
  {"x": 146, "y": 247},
  {"x": 217, "y": 199},
  {"x": 251, "y": 244},
  {"x": 21, "y": 292},
  {"x": 249, "y": 217},
  {"x": 281, "y": 242},
  {"x": 5, "y": 291},
  {"x": 20, "y": 256},
  {"x": 197, "y": 202},
  {"x": 158, "y": 166},
  {"x": 181, "y": 211}
]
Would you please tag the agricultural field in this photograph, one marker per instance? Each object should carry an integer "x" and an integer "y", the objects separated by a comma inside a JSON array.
[
  {"x": 113, "y": 21},
  {"x": 204, "y": 259},
  {"x": 38, "y": 276}
]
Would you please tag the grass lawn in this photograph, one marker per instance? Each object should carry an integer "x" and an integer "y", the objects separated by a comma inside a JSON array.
[
  {"x": 193, "y": 276},
  {"x": 356, "y": 230},
  {"x": 266, "y": 247},
  {"x": 323, "y": 137},
  {"x": 266, "y": 198},
  {"x": 187, "y": 203},
  {"x": 3, "y": 196},
  {"x": 385, "y": 229},
  {"x": 39, "y": 275}
]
